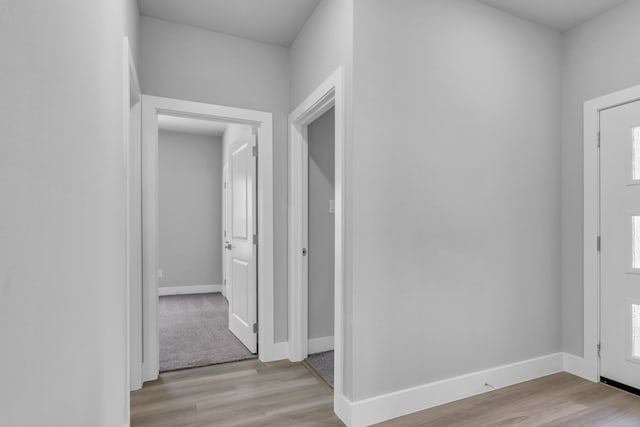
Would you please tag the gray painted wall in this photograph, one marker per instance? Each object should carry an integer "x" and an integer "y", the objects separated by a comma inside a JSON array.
[
  {"x": 132, "y": 21},
  {"x": 324, "y": 44},
  {"x": 599, "y": 57},
  {"x": 62, "y": 202},
  {"x": 321, "y": 225},
  {"x": 183, "y": 62},
  {"x": 190, "y": 209},
  {"x": 456, "y": 191}
]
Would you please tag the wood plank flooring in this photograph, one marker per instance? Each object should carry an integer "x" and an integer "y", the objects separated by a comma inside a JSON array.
[
  {"x": 251, "y": 393},
  {"x": 248, "y": 393},
  {"x": 557, "y": 400}
]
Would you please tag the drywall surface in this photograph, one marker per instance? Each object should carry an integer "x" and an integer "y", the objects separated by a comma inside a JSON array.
[
  {"x": 183, "y": 62},
  {"x": 62, "y": 201},
  {"x": 456, "y": 191},
  {"x": 321, "y": 134},
  {"x": 599, "y": 57},
  {"x": 323, "y": 45},
  {"x": 132, "y": 29},
  {"x": 190, "y": 209}
]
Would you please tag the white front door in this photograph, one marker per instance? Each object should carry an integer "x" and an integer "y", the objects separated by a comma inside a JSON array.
[
  {"x": 620, "y": 244},
  {"x": 240, "y": 243}
]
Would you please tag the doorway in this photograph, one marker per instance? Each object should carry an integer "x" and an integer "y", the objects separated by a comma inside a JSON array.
[
  {"x": 196, "y": 325},
  {"x": 327, "y": 98},
  {"x": 611, "y": 279},
  {"x": 620, "y": 246},
  {"x": 249, "y": 180},
  {"x": 320, "y": 244}
]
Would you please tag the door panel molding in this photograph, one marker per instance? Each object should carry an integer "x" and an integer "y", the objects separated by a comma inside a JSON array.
[
  {"x": 241, "y": 249},
  {"x": 588, "y": 366}
]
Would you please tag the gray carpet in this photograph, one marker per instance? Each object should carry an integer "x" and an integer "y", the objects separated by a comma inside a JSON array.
[
  {"x": 322, "y": 363},
  {"x": 194, "y": 331}
]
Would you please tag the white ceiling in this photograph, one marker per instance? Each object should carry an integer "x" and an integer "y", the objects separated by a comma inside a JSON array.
[
  {"x": 269, "y": 21},
  {"x": 560, "y": 15},
  {"x": 191, "y": 126}
]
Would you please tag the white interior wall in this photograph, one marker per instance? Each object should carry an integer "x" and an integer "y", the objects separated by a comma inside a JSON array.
[
  {"x": 598, "y": 58},
  {"x": 323, "y": 45},
  {"x": 62, "y": 203},
  {"x": 456, "y": 188},
  {"x": 132, "y": 24},
  {"x": 183, "y": 62},
  {"x": 190, "y": 209}
]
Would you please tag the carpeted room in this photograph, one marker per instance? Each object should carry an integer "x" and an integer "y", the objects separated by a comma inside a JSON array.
[
  {"x": 193, "y": 311},
  {"x": 194, "y": 331}
]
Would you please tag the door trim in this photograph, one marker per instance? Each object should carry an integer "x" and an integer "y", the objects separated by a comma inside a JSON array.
[
  {"x": 263, "y": 123},
  {"x": 132, "y": 98},
  {"x": 589, "y": 366},
  {"x": 329, "y": 94}
]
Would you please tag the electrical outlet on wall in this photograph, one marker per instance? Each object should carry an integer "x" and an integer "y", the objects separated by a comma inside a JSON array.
[
  {"x": 160, "y": 273},
  {"x": 332, "y": 206}
]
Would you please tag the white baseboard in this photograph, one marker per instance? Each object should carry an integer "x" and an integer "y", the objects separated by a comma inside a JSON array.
[
  {"x": 342, "y": 408},
  {"x": 188, "y": 290},
  {"x": 275, "y": 352},
  {"x": 381, "y": 408},
  {"x": 320, "y": 345},
  {"x": 578, "y": 366}
]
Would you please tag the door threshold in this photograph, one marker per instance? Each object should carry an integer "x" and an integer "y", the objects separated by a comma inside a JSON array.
[
  {"x": 317, "y": 376},
  {"x": 620, "y": 386},
  {"x": 186, "y": 368}
]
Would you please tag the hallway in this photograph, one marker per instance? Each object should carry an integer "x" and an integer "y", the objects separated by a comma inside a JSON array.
[
  {"x": 234, "y": 394},
  {"x": 284, "y": 394}
]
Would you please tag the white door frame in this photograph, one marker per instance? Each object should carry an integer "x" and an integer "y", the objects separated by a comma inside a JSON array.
[
  {"x": 132, "y": 110},
  {"x": 589, "y": 366},
  {"x": 262, "y": 122},
  {"x": 328, "y": 94}
]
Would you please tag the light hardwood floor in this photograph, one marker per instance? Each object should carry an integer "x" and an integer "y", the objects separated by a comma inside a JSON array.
[
  {"x": 252, "y": 393},
  {"x": 248, "y": 393},
  {"x": 553, "y": 401}
]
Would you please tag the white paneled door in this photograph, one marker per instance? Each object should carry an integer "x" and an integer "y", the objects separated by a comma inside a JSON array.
[
  {"x": 620, "y": 243},
  {"x": 241, "y": 242}
]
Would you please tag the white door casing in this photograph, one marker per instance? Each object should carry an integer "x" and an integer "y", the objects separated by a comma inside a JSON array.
[
  {"x": 262, "y": 122},
  {"x": 331, "y": 93},
  {"x": 620, "y": 275},
  {"x": 321, "y": 101},
  {"x": 132, "y": 108},
  {"x": 241, "y": 242}
]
